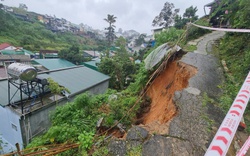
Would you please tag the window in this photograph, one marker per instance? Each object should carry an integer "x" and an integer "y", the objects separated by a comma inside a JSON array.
[{"x": 14, "y": 126}]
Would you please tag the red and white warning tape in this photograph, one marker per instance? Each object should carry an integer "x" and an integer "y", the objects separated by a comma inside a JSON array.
[
  {"x": 244, "y": 148},
  {"x": 224, "y": 136},
  {"x": 223, "y": 29}
]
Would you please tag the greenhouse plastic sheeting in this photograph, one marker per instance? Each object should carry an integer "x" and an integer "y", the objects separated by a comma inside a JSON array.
[{"x": 156, "y": 56}]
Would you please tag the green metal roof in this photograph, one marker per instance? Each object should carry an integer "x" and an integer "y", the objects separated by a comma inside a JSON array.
[
  {"x": 76, "y": 79},
  {"x": 52, "y": 64},
  {"x": 92, "y": 64},
  {"x": 12, "y": 52},
  {"x": 50, "y": 56},
  {"x": 27, "y": 52}
]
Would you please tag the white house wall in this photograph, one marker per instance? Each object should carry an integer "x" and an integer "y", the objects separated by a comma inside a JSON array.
[
  {"x": 10, "y": 48},
  {"x": 9, "y": 130}
]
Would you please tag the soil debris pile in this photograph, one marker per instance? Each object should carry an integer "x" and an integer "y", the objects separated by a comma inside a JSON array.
[{"x": 175, "y": 77}]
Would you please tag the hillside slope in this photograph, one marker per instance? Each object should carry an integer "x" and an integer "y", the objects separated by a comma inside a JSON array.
[{"x": 35, "y": 36}]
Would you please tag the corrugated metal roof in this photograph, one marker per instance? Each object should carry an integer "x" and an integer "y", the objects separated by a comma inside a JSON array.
[
  {"x": 76, "y": 79},
  {"x": 92, "y": 64},
  {"x": 27, "y": 52},
  {"x": 12, "y": 52},
  {"x": 16, "y": 52},
  {"x": 53, "y": 64}
]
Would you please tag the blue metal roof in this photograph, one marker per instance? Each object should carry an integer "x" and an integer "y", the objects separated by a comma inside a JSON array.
[
  {"x": 76, "y": 79},
  {"x": 52, "y": 64}
]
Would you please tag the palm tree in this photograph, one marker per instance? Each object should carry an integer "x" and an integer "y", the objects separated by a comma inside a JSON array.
[{"x": 110, "y": 35}]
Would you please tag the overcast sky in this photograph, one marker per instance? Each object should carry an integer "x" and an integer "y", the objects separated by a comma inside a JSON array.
[{"x": 131, "y": 14}]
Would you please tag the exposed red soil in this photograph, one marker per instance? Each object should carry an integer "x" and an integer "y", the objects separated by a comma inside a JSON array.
[{"x": 162, "y": 109}]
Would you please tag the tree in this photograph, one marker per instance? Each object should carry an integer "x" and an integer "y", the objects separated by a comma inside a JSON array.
[
  {"x": 120, "y": 67},
  {"x": 190, "y": 14},
  {"x": 110, "y": 34},
  {"x": 166, "y": 16},
  {"x": 72, "y": 54}
]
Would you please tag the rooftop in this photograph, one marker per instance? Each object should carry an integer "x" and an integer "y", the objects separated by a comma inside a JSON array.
[
  {"x": 48, "y": 51},
  {"x": 4, "y": 45},
  {"x": 16, "y": 52},
  {"x": 92, "y": 64},
  {"x": 76, "y": 79},
  {"x": 14, "y": 57},
  {"x": 53, "y": 64},
  {"x": 92, "y": 53}
]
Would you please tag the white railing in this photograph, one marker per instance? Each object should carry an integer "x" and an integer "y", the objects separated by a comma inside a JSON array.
[{"x": 225, "y": 134}]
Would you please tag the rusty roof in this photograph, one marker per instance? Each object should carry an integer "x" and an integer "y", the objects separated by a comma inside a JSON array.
[{"x": 4, "y": 45}]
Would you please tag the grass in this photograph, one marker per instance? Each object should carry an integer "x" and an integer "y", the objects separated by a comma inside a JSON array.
[{"x": 135, "y": 151}]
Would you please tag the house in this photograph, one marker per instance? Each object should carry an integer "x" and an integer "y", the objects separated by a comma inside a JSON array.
[
  {"x": 217, "y": 19},
  {"x": 6, "y": 46},
  {"x": 211, "y": 6},
  {"x": 22, "y": 120},
  {"x": 157, "y": 31}
]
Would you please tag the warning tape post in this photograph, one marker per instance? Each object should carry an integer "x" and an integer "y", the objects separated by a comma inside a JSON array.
[{"x": 223, "y": 138}]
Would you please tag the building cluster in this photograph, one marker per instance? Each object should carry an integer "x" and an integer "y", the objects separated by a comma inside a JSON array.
[
  {"x": 52, "y": 23},
  {"x": 25, "y": 104}
]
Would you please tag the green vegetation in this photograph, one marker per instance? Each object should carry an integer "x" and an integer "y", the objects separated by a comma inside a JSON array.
[
  {"x": 56, "y": 89},
  {"x": 120, "y": 68},
  {"x": 206, "y": 99},
  {"x": 72, "y": 54},
  {"x": 136, "y": 151},
  {"x": 170, "y": 35},
  {"x": 209, "y": 121},
  {"x": 34, "y": 35},
  {"x": 234, "y": 49},
  {"x": 195, "y": 32},
  {"x": 74, "y": 122}
]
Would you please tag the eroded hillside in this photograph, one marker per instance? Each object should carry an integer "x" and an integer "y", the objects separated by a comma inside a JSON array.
[{"x": 162, "y": 109}]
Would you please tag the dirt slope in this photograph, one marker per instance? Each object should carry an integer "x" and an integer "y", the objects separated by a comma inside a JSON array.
[{"x": 161, "y": 92}]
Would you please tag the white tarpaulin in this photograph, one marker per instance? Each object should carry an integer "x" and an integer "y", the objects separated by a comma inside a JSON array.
[{"x": 157, "y": 55}]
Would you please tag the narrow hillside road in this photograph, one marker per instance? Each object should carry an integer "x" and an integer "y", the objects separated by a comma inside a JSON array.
[{"x": 205, "y": 43}]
